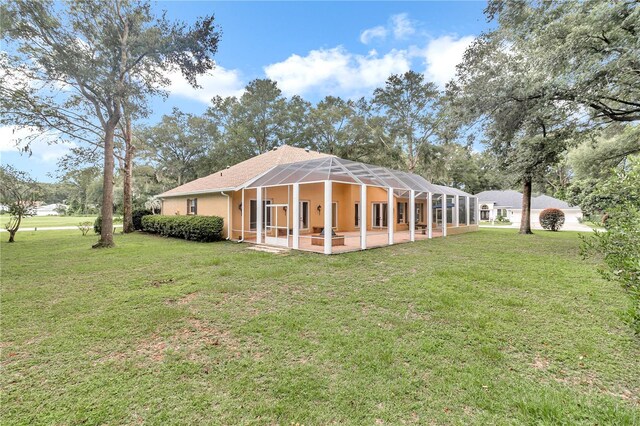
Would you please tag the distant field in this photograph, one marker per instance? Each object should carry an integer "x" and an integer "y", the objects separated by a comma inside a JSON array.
[{"x": 45, "y": 221}]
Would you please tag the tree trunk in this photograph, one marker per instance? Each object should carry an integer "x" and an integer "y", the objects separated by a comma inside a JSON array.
[
  {"x": 106, "y": 234},
  {"x": 12, "y": 233},
  {"x": 127, "y": 221},
  {"x": 525, "y": 222}
]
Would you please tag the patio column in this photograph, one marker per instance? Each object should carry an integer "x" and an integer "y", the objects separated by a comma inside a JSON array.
[
  {"x": 242, "y": 214},
  {"x": 259, "y": 212},
  {"x": 363, "y": 216},
  {"x": 456, "y": 211},
  {"x": 390, "y": 220},
  {"x": 444, "y": 214},
  {"x": 429, "y": 215},
  {"x": 296, "y": 215},
  {"x": 412, "y": 215},
  {"x": 328, "y": 208},
  {"x": 468, "y": 210},
  {"x": 477, "y": 205}
]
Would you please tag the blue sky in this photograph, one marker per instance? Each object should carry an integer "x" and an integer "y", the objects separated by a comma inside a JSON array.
[{"x": 312, "y": 49}]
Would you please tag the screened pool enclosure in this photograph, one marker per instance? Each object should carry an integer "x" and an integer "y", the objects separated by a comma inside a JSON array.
[{"x": 364, "y": 206}]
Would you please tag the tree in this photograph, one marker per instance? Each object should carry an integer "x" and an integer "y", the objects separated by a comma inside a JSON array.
[
  {"x": 175, "y": 145},
  {"x": 329, "y": 125},
  {"x": 101, "y": 54},
  {"x": 588, "y": 50},
  {"x": 495, "y": 91},
  {"x": 619, "y": 246},
  {"x": 409, "y": 105},
  {"x": 262, "y": 111},
  {"x": 19, "y": 192}
]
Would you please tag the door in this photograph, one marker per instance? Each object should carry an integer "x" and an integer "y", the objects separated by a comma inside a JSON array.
[
  {"x": 277, "y": 229},
  {"x": 379, "y": 215}
]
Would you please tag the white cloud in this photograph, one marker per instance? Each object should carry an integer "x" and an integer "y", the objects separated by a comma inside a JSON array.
[
  {"x": 402, "y": 26},
  {"x": 373, "y": 33},
  {"x": 336, "y": 71},
  {"x": 43, "y": 147},
  {"x": 441, "y": 56},
  {"x": 219, "y": 81}
]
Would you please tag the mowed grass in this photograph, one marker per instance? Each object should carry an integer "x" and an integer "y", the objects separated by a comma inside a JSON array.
[
  {"x": 483, "y": 328},
  {"x": 46, "y": 221}
]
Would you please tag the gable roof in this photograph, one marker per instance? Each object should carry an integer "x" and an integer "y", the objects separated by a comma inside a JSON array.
[
  {"x": 513, "y": 199},
  {"x": 241, "y": 173}
]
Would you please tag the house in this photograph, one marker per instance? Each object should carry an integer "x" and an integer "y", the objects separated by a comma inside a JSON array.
[
  {"x": 508, "y": 204},
  {"x": 288, "y": 196},
  {"x": 50, "y": 210}
]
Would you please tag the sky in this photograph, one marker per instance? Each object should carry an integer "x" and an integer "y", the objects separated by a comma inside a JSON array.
[{"x": 311, "y": 49}]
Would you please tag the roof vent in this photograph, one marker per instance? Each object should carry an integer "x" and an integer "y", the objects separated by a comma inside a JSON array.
[
  {"x": 275, "y": 148},
  {"x": 228, "y": 167},
  {"x": 307, "y": 149}
]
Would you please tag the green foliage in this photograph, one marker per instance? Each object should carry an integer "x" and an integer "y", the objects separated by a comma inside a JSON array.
[
  {"x": 619, "y": 245},
  {"x": 195, "y": 228},
  {"x": 137, "y": 216},
  {"x": 84, "y": 227},
  {"x": 551, "y": 219},
  {"x": 97, "y": 225}
]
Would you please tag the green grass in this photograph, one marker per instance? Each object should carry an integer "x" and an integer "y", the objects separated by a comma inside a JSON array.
[
  {"x": 483, "y": 328},
  {"x": 45, "y": 221}
]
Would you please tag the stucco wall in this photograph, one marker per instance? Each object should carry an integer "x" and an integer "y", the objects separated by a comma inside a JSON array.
[
  {"x": 345, "y": 195},
  {"x": 208, "y": 205}
]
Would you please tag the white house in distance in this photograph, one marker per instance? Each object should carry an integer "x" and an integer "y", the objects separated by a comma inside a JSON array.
[
  {"x": 50, "y": 210},
  {"x": 508, "y": 204}
]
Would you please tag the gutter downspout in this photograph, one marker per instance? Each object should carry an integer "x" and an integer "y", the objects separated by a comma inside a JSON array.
[{"x": 228, "y": 214}]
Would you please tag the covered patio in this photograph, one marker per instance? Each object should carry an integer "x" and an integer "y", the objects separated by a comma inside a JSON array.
[{"x": 364, "y": 206}]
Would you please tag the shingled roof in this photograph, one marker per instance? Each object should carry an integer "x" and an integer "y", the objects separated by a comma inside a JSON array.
[
  {"x": 513, "y": 199},
  {"x": 234, "y": 176}
]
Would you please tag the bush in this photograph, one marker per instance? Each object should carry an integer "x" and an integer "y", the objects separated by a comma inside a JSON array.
[
  {"x": 194, "y": 228},
  {"x": 552, "y": 219},
  {"x": 97, "y": 225},
  {"x": 137, "y": 216}
]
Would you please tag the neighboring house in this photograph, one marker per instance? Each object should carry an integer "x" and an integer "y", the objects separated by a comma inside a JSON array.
[
  {"x": 50, "y": 210},
  {"x": 508, "y": 204},
  {"x": 300, "y": 191}
]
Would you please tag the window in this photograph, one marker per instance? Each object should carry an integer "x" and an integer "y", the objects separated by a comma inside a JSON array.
[
  {"x": 379, "y": 215},
  {"x": 357, "y": 215},
  {"x": 192, "y": 206},
  {"x": 462, "y": 210},
  {"x": 334, "y": 214},
  {"x": 472, "y": 211},
  {"x": 419, "y": 213},
  {"x": 253, "y": 214},
  {"x": 402, "y": 213},
  {"x": 304, "y": 215}
]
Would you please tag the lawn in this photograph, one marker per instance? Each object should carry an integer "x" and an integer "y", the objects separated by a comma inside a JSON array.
[
  {"x": 482, "y": 328},
  {"x": 45, "y": 221}
]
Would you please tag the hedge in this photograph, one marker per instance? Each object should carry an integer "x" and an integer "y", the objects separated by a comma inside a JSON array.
[
  {"x": 552, "y": 219},
  {"x": 136, "y": 217},
  {"x": 194, "y": 228}
]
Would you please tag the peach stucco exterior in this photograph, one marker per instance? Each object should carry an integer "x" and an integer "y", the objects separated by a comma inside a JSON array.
[{"x": 346, "y": 197}]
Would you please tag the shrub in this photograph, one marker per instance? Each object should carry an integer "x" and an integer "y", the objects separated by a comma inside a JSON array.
[
  {"x": 84, "y": 227},
  {"x": 97, "y": 225},
  {"x": 194, "y": 228},
  {"x": 137, "y": 216},
  {"x": 552, "y": 219}
]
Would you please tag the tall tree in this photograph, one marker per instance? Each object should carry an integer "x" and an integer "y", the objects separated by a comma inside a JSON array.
[
  {"x": 494, "y": 88},
  {"x": 409, "y": 105},
  {"x": 589, "y": 51},
  {"x": 175, "y": 145},
  {"x": 102, "y": 54}
]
